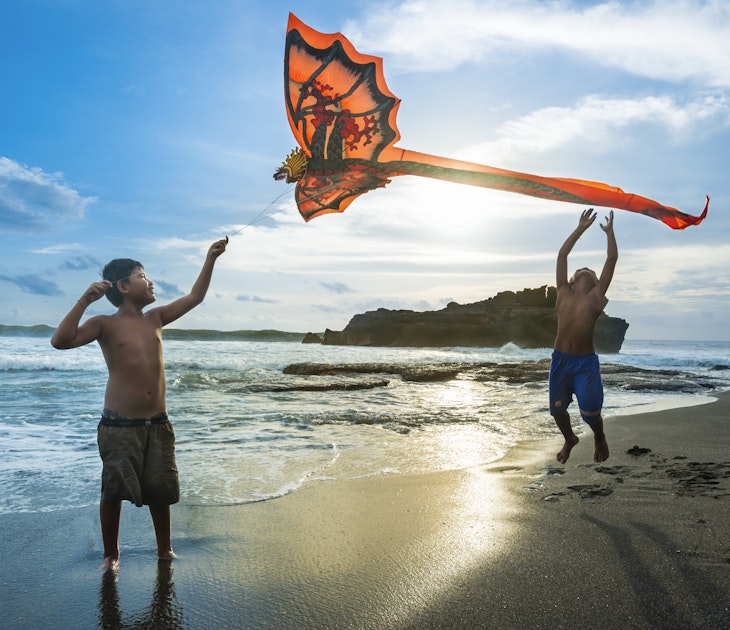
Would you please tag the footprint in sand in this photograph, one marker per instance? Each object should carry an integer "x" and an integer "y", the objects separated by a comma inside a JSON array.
[
  {"x": 590, "y": 491},
  {"x": 701, "y": 478},
  {"x": 638, "y": 451}
]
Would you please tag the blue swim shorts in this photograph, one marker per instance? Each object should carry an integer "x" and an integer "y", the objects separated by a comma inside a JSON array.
[{"x": 580, "y": 375}]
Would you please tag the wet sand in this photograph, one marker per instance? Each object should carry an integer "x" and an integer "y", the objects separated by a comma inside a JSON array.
[{"x": 640, "y": 541}]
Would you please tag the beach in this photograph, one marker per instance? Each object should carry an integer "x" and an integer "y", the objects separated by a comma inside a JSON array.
[{"x": 640, "y": 541}]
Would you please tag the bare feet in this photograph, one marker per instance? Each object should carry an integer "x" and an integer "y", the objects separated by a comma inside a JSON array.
[
  {"x": 111, "y": 563},
  {"x": 167, "y": 556},
  {"x": 601, "y": 453},
  {"x": 567, "y": 447}
]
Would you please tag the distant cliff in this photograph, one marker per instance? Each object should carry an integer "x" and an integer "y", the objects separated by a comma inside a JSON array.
[{"x": 526, "y": 318}]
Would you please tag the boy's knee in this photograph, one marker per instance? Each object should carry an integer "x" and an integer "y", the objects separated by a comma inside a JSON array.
[
  {"x": 591, "y": 417},
  {"x": 559, "y": 409}
]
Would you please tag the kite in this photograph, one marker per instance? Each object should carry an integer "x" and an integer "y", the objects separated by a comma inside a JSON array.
[{"x": 343, "y": 116}]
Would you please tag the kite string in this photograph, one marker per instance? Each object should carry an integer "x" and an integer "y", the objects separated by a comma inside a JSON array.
[
  {"x": 261, "y": 215},
  {"x": 267, "y": 210}
]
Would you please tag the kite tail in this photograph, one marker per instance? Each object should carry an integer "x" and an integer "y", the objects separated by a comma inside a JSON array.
[{"x": 555, "y": 188}]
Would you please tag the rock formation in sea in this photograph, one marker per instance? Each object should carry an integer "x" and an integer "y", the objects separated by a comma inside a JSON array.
[{"x": 526, "y": 318}]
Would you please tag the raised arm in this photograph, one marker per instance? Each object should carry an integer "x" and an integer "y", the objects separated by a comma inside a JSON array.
[
  {"x": 176, "y": 309},
  {"x": 587, "y": 218},
  {"x": 611, "y": 255},
  {"x": 69, "y": 334}
]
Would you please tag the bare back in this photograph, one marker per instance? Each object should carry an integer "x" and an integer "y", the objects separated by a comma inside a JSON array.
[
  {"x": 580, "y": 301},
  {"x": 132, "y": 347},
  {"x": 577, "y": 315}
]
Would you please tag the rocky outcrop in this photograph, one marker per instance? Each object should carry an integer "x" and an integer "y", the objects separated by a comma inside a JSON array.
[
  {"x": 526, "y": 318},
  {"x": 371, "y": 375},
  {"x": 311, "y": 337}
]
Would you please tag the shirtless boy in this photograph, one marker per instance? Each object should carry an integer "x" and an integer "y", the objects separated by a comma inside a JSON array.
[
  {"x": 136, "y": 440},
  {"x": 574, "y": 368}
]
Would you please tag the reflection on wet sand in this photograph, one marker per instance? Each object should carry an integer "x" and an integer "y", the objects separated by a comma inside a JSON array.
[{"x": 164, "y": 612}]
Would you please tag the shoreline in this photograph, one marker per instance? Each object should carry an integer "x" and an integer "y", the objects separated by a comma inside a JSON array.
[{"x": 640, "y": 541}]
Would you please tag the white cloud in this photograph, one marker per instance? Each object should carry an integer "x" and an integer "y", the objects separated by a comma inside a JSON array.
[
  {"x": 59, "y": 248},
  {"x": 597, "y": 124},
  {"x": 658, "y": 274},
  {"x": 673, "y": 40},
  {"x": 32, "y": 199}
]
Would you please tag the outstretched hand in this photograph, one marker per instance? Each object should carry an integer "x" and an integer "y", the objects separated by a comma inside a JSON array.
[
  {"x": 217, "y": 248},
  {"x": 609, "y": 223},
  {"x": 587, "y": 217}
]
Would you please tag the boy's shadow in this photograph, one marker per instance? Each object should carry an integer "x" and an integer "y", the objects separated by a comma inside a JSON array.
[{"x": 163, "y": 613}]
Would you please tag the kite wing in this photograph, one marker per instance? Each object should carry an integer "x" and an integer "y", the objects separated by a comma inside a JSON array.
[{"x": 343, "y": 116}]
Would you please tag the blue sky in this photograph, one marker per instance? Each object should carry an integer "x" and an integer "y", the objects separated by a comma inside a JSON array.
[{"x": 149, "y": 129}]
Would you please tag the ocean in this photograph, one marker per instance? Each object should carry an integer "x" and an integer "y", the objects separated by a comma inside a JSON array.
[{"x": 257, "y": 414}]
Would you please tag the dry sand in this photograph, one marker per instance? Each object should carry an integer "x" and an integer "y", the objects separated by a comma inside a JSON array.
[{"x": 641, "y": 541}]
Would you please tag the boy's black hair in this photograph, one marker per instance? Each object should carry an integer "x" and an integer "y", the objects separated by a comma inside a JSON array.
[{"x": 115, "y": 270}]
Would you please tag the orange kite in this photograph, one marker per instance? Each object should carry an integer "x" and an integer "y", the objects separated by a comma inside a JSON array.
[{"x": 343, "y": 117}]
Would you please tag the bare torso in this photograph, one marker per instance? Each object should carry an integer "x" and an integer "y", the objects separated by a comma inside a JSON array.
[
  {"x": 577, "y": 315},
  {"x": 132, "y": 347}
]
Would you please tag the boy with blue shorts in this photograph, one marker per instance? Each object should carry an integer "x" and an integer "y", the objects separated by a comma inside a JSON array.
[{"x": 574, "y": 368}]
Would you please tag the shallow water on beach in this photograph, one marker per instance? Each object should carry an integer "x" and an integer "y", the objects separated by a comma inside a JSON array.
[{"x": 246, "y": 431}]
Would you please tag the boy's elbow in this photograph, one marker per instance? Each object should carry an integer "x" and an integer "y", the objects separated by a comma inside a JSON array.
[
  {"x": 196, "y": 300},
  {"x": 58, "y": 344}
]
